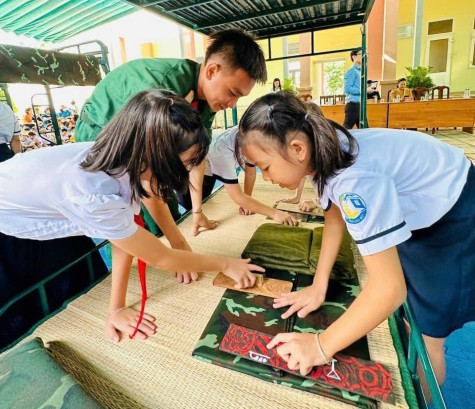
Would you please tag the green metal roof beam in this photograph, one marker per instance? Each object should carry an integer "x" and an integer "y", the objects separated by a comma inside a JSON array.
[
  {"x": 369, "y": 7},
  {"x": 177, "y": 19},
  {"x": 339, "y": 23},
  {"x": 197, "y": 3},
  {"x": 309, "y": 20},
  {"x": 270, "y": 12}
]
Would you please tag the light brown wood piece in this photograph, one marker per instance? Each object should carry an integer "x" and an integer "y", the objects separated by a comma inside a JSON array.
[{"x": 268, "y": 287}]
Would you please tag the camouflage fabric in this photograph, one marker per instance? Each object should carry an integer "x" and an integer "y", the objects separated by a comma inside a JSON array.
[
  {"x": 30, "y": 378},
  {"x": 296, "y": 248},
  {"x": 256, "y": 312},
  {"x": 36, "y": 66},
  {"x": 344, "y": 267}
]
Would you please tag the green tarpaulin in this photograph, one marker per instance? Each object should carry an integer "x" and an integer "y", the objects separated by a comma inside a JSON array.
[{"x": 35, "y": 66}]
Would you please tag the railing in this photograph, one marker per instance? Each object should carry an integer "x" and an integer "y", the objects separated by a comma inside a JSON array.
[{"x": 416, "y": 352}]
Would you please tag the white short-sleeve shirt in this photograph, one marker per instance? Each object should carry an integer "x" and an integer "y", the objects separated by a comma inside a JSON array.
[
  {"x": 44, "y": 194},
  {"x": 220, "y": 161},
  {"x": 401, "y": 181},
  {"x": 9, "y": 125}
]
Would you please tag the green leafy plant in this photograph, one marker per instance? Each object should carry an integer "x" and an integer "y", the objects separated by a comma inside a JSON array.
[
  {"x": 334, "y": 77},
  {"x": 289, "y": 85},
  {"x": 419, "y": 77}
]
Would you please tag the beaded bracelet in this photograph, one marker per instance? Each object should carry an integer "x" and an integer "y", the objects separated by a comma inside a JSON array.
[{"x": 327, "y": 361}]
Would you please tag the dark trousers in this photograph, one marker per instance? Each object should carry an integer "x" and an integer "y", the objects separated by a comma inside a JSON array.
[
  {"x": 352, "y": 115},
  {"x": 208, "y": 184},
  {"x": 5, "y": 152},
  {"x": 24, "y": 262}
]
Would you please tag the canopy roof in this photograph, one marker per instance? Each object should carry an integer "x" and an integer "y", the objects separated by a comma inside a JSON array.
[
  {"x": 57, "y": 20},
  {"x": 265, "y": 18}
]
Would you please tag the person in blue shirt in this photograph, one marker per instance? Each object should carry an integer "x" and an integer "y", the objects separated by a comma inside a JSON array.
[{"x": 353, "y": 91}]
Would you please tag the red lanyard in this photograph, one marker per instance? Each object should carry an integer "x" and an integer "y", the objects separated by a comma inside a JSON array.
[{"x": 143, "y": 283}]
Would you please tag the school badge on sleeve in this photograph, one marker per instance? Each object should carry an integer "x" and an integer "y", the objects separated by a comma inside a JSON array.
[{"x": 353, "y": 207}]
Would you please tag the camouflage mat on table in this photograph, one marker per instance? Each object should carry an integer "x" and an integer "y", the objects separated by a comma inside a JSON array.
[{"x": 256, "y": 312}]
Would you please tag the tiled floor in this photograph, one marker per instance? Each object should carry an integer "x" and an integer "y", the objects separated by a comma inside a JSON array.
[{"x": 459, "y": 387}]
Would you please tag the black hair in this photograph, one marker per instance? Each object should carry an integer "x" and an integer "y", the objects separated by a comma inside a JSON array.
[
  {"x": 150, "y": 132},
  {"x": 275, "y": 116},
  {"x": 240, "y": 50},
  {"x": 273, "y": 84},
  {"x": 400, "y": 80},
  {"x": 355, "y": 52}
]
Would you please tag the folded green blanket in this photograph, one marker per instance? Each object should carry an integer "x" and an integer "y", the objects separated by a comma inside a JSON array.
[
  {"x": 30, "y": 378},
  {"x": 296, "y": 249},
  {"x": 344, "y": 267},
  {"x": 280, "y": 247}
]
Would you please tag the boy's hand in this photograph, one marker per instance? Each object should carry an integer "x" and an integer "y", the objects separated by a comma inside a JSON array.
[
  {"x": 245, "y": 212},
  {"x": 284, "y": 218},
  {"x": 307, "y": 206},
  {"x": 300, "y": 351},
  {"x": 200, "y": 220},
  {"x": 124, "y": 320},
  {"x": 241, "y": 272},
  {"x": 303, "y": 302}
]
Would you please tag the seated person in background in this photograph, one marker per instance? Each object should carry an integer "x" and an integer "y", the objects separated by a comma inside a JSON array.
[
  {"x": 306, "y": 97},
  {"x": 64, "y": 112},
  {"x": 221, "y": 164},
  {"x": 65, "y": 135},
  {"x": 372, "y": 90},
  {"x": 46, "y": 117},
  {"x": 401, "y": 91},
  {"x": 28, "y": 117}
]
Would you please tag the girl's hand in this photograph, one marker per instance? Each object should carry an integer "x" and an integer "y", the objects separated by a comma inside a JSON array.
[
  {"x": 303, "y": 302},
  {"x": 245, "y": 212},
  {"x": 241, "y": 272},
  {"x": 201, "y": 221},
  {"x": 124, "y": 320},
  {"x": 284, "y": 218},
  {"x": 300, "y": 351},
  {"x": 307, "y": 206},
  {"x": 185, "y": 276},
  {"x": 293, "y": 200}
]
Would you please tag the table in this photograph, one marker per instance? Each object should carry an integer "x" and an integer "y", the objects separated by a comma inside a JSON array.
[
  {"x": 439, "y": 113},
  {"x": 376, "y": 113}
]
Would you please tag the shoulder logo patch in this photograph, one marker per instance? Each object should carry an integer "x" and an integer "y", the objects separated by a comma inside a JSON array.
[{"x": 353, "y": 206}]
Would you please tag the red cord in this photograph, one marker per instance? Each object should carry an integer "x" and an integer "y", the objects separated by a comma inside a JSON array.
[{"x": 143, "y": 283}]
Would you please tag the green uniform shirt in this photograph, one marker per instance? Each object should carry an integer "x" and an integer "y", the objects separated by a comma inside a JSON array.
[{"x": 113, "y": 92}]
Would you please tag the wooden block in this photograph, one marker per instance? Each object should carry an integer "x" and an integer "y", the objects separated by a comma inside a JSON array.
[
  {"x": 268, "y": 287},
  {"x": 294, "y": 208}
]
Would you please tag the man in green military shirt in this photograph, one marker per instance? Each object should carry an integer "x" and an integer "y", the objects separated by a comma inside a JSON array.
[{"x": 233, "y": 63}]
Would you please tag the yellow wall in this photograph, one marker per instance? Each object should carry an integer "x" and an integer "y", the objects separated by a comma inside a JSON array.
[{"x": 463, "y": 13}]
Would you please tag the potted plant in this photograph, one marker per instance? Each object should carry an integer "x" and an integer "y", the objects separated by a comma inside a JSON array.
[{"x": 419, "y": 78}]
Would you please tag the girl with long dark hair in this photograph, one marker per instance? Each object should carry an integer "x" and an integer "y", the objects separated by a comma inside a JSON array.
[{"x": 95, "y": 189}]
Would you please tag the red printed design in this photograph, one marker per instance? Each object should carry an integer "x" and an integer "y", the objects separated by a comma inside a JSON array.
[{"x": 355, "y": 375}]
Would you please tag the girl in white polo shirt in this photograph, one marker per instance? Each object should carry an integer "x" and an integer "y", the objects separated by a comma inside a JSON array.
[
  {"x": 407, "y": 199},
  {"x": 95, "y": 189},
  {"x": 222, "y": 164}
]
